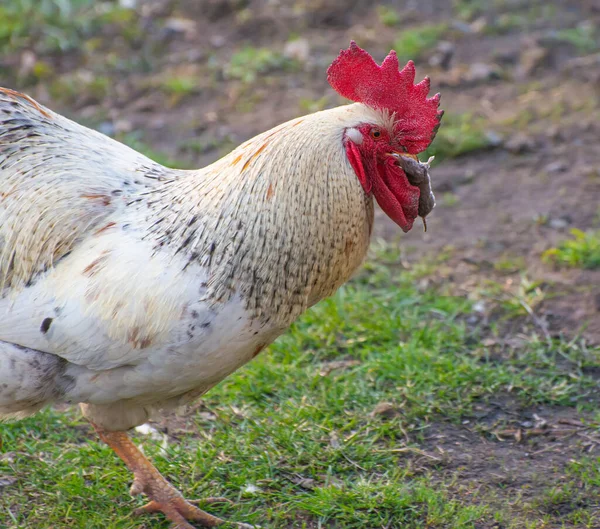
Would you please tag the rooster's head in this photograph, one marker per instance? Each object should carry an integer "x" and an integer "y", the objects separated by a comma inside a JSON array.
[{"x": 406, "y": 123}]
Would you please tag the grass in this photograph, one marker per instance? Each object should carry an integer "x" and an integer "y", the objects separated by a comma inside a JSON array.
[
  {"x": 248, "y": 63},
  {"x": 308, "y": 106},
  {"x": 517, "y": 298},
  {"x": 469, "y": 9},
  {"x": 459, "y": 134},
  {"x": 413, "y": 42},
  {"x": 67, "y": 88},
  {"x": 133, "y": 140},
  {"x": 582, "y": 250},
  {"x": 55, "y": 25},
  {"x": 388, "y": 16},
  {"x": 180, "y": 86},
  {"x": 585, "y": 37},
  {"x": 294, "y": 437},
  {"x": 21, "y": 21},
  {"x": 514, "y": 18},
  {"x": 508, "y": 264}
]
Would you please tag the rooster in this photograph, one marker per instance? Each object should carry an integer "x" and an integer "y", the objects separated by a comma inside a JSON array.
[{"x": 131, "y": 288}]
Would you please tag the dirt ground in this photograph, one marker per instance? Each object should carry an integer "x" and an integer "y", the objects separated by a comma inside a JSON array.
[{"x": 534, "y": 96}]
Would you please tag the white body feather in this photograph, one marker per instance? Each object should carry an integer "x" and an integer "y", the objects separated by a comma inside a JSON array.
[{"x": 132, "y": 287}]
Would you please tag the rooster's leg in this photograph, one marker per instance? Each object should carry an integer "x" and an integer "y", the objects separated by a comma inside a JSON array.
[{"x": 147, "y": 479}]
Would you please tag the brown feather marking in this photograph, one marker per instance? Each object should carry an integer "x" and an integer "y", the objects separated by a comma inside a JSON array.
[
  {"x": 32, "y": 102},
  {"x": 349, "y": 247},
  {"x": 92, "y": 294},
  {"x": 93, "y": 268},
  {"x": 258, "y": 151},
  {"x": 270, "y": 192},
  {"x": 105, "y": 198},
  {"x": 107, "y": 227},
  {"x": 138, "y": 341},
  {"x": 237, "y": 159}
]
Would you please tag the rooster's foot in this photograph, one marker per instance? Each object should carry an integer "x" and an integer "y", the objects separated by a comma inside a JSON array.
[
  {"x": 166, "y": 499},
  {"x": 163, "y": 496},
  {"x": 180, "y": 511}
]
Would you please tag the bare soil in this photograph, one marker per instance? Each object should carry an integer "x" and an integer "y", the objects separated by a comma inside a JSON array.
[{"x": 507, "y": 452}]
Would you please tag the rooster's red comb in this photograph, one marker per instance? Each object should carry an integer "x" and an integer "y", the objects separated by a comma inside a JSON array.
[{"x": 356, "y": 76}]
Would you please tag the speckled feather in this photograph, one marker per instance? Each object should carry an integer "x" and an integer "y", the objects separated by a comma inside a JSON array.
[{"x": 141, "y": 286}]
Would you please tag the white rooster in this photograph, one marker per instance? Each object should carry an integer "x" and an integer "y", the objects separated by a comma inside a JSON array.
[{"x": 132, "y": 288}]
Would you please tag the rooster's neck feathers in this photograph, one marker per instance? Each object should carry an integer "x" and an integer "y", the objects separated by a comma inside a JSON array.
[{"x": 282, "y": 220}]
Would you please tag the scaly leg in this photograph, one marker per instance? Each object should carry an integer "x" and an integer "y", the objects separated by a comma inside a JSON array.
[{"x": 147, "y": 479}]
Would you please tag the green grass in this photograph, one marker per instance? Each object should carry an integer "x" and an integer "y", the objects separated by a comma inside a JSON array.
[
  {"x": 64, "y": 21},
  {"x": 469, "y": 9},
  {"x": 582, "y": 250},
  {"x": 459, "y": 134},
  {"x": 66, "y": 88},
  {"x": 585, "y": 37},
  {"x": 133, "y": 140},
  {"x": 292, "y": 438},
  {"x": 179, "y": 86},
  {"x": 413, "y": 42},
  {"x": 249, "y": 62},
  {"x": 308, "y": 106},
  {"x": 55, "y": 25},
  {"x": 509, "y": 264},
  {"x": 506, "y": 18},
  {"x": 388, "y": 16}
]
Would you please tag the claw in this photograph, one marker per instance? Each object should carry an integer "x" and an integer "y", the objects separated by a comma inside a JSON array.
[
  {"x": 149, "y": 508},
  {"x": 137, "y": 487}
]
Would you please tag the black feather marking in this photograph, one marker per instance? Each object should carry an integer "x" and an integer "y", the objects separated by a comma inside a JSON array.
[{"x": 45, "y": 327}]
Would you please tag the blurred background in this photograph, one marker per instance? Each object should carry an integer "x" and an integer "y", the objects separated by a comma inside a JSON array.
[{"x": 459, "y": 402}]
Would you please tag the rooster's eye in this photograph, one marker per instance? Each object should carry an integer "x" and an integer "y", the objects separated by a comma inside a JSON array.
[{"x": 375, "y": 134}]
